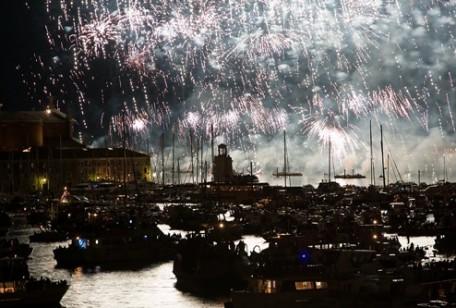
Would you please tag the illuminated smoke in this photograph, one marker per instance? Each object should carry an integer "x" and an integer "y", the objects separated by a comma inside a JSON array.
[{"x": 319, "y": 68}]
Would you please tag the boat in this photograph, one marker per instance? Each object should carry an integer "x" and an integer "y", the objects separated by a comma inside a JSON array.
[
  {"x": 446, "y": 243},
  {"x": 11, "y": 248},
  {"x": 350, "y": 176},
  {"x": 117, "y": 250},
  {"x": 285, "y": 275},
  {"x": 188, "y": 217},
  {"x": 5, "y": 223},
  {"x": 206, "y": 267},
  {"x": 18, "y": 289},
  {"x": 48, "y": 236}
]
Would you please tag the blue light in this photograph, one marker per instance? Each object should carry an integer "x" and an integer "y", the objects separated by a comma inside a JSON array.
[
  {"x": 82, "y": 243},
  {"x": 304, "y": 256}
]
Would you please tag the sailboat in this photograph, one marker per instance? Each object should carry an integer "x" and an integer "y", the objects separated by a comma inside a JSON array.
[
  {"x": 353, "y": 175},
  {"x": 286, "y": 165}
]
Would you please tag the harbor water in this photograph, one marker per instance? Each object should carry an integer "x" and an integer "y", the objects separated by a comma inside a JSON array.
[{"x": 152, "y": 286}]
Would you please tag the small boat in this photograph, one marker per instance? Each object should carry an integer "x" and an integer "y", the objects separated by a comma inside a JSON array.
[
  {"x": 5, "y": 223},
  {"x": 350, "y": 176},
  {"x": 286, "y": 275},
  {"x": 117, "y": 250},
  {"x": 207, "y": 267},
  {"x": 11, "y": 248},
  {"x": 48, "y": 236},
  {"x": 17, "y": 289}
]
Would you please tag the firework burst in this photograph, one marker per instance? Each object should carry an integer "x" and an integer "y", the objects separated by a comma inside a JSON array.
[{"x": 249, "y": 66}]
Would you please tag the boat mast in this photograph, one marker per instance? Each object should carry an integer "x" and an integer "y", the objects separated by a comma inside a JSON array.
[
  {"x": 372, "y": 172},
  {"x": 383, "y": 161},
  {"x": 444, "y": 169},
  {"x": 178, "y": 172},
  {"x": 162, "y": 147},
  {"x": 329, "y": 161},
  {"x": 397, "y": 170},
  {"x": 124, "y": 161},
  {"x": 212, "y": 145},
  {"x": 388, "y": 169},
  {"x": 285, "y": 157},
  {"x": 197, "y": 160},
  {"x": 173, "y": 169},
  {"x": 201, "y": 159},
  {"x": 205, "y": 171},
  {"x": 191, "y": 156}
]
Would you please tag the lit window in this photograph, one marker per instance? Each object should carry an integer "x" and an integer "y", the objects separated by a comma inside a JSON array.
[
  {"x": 321, "y": 285},
  {"x": 7, "y": 287},
  {"x": 269, "y": 286},
  {"x": 303, "y": 285}
]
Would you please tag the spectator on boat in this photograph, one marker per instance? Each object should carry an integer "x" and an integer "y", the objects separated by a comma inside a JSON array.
[{"x": 240, "y": 250}]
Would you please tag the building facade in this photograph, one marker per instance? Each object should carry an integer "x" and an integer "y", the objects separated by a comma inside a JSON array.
[
  {"x": 23, "y": 129},
  {"x": 39, "y": 153}
]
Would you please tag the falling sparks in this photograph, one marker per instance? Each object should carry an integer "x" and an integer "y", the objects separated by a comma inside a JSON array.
[{"x": 249, "y": 66}]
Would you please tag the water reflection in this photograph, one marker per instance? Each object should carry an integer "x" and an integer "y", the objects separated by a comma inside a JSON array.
[
  {"x": 148, "y": 287},
  {"x": 427, "y": 243},
  {"x": 253, "y": 243}
]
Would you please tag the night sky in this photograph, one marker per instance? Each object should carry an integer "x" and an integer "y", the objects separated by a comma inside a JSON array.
[
  {"x": 250, "y": 69},
  {"x": 23, "y": 37}
]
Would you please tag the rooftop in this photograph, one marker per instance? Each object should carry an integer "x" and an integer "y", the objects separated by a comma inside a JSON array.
[
  {"x": 48, "y": 116},
  {"x": 75, "y": 153}
]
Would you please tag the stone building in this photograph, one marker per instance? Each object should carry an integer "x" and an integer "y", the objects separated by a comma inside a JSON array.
[{"x": 38, "y": 152}]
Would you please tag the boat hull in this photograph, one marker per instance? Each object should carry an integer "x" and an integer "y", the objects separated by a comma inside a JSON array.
[
  {"x": 138, "y": 254},
  {"x": 40, "y": 297}
]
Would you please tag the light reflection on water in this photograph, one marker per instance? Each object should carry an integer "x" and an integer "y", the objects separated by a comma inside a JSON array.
[
  {"x": 426, "y": 242},
  {"x": 149, "y": 287},
  {"x": 152, "y": 286},
  {"x": 252, "y": 242}
]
